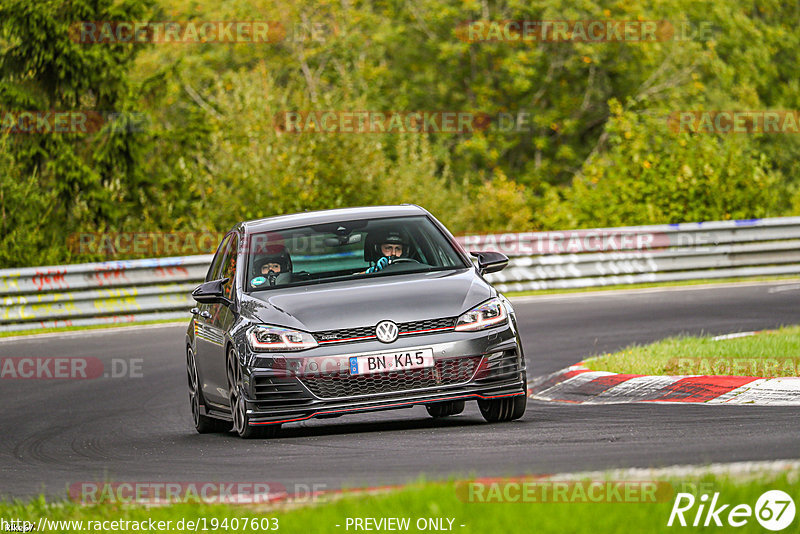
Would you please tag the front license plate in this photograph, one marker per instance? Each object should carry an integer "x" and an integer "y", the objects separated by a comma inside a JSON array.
[{"x": 391, "y": 362}]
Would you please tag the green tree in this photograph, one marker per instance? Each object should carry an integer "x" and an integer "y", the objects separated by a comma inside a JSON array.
[
  {"x": 651, "y": 175},
  {"x": 97, "y": 178}
]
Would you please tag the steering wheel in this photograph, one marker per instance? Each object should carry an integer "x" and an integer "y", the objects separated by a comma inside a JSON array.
[{"x": 404, "y": 260}]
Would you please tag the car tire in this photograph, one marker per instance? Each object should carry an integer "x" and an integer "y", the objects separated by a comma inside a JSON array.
[
  {"x": 506, "y": 409},
  {"x": 202, "y": 423},
  {"x": 241, "y": 421},
  {"x": 445, "y": 409},
  {"x": 242, "y": 426}
]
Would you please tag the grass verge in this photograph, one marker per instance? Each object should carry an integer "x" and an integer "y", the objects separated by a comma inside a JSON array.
[
  {"x": 705, "y": 281},
  {"x": 86, "y": 327},
  {"x": 449, "y": 504},
  {"x": 768, "y": 354}
]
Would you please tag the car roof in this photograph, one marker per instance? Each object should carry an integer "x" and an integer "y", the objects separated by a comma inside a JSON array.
[{"x": 328, "y": 216}]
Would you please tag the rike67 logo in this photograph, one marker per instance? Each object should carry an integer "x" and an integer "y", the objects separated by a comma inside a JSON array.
[{"x": 774, "y": 510}]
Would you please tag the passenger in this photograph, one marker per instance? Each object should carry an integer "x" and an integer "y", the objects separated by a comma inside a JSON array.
[{"x": 271, "y": 266}]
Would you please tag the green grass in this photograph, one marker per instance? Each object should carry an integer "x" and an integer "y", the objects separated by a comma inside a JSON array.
[
  {"x": 448, "y": 500},
  {"x": 86, "y": 327},
  {"x": 704, "y": 281},
  {"x": 775, "y": 353}
]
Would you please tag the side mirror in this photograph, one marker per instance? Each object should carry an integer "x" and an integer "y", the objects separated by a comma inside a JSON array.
[
  {"x": 211, "y": 292},
  {"x": 490, "y": 262}
]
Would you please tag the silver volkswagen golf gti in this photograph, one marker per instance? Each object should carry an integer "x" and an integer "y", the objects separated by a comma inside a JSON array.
[{"x": 321, "y": 314}]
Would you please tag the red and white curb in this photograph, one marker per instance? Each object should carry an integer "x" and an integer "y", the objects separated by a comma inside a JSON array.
[{"x": 579, "y": 384}]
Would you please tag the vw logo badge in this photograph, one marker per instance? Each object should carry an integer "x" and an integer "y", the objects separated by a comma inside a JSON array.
[{"x": 386, "y": 331}]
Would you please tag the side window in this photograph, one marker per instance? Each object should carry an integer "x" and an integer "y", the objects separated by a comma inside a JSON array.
[
  {"x": 229, "y": 266},
  {"x": 217, "y": 260}
]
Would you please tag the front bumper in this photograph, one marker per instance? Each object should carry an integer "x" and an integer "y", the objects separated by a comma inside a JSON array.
[{"x": 478, "y": 365}]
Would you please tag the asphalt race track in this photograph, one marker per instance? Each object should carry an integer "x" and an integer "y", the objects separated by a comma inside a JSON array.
[{"x": 58, "y": 432}]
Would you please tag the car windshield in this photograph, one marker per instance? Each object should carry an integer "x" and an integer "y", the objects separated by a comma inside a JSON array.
[{"x": 347, "y": 250}]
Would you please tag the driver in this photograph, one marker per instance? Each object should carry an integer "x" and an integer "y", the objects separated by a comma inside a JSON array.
[{"x": 390, "y": 247}]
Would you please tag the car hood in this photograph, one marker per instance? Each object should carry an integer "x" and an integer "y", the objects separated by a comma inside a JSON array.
[{"x": 365, "y": 302}]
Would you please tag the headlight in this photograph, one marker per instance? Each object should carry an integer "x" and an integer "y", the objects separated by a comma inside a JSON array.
[
  {"x": 490, "y": 313},
  {"x": 277, "y": 339}
]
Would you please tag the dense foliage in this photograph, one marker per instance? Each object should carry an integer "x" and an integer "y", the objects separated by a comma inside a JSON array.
[{"x": 578, "y": 137}]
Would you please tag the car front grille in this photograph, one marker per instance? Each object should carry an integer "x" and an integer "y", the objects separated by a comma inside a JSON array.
[
  {"x": 278, "y": 392},
  {"x": 444, "y": 373},
  {"x": 365, "y": 333},
  {"x": 415, "y": 327}
]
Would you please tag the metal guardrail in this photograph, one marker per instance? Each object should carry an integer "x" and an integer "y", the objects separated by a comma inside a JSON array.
[
  {"x": 99, "y": 293},
  {"x": 136, "y": 290},
  {"x": 641, "y": 254}
]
